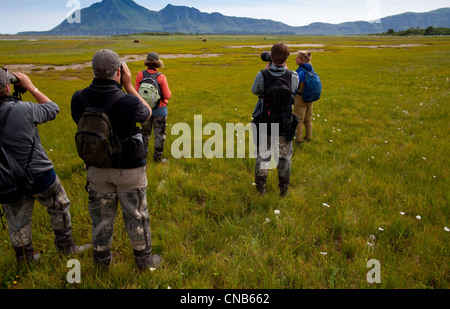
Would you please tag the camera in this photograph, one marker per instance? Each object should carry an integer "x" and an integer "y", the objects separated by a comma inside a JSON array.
[{"x": 266, "y": 57}]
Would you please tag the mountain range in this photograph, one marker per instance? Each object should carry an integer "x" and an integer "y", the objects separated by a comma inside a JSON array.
[{"x": 115, "y": 17}]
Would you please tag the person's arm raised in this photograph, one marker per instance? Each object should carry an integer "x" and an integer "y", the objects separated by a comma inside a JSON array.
[
  {"x": 26, "y": 83},
  {"x": 128, "y": 85}
]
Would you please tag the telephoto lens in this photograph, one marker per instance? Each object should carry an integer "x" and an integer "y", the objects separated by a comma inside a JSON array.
[{"x": 266, "y": 56}]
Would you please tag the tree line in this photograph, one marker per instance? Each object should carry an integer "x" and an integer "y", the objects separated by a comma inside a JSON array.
[{"x": 418, "y": 31}]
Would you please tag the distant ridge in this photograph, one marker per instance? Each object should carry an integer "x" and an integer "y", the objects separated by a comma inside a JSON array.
[{"x": 115, "y": 17}]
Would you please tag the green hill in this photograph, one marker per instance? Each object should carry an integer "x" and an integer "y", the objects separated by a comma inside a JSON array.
[{"x": 112, "y": 17}]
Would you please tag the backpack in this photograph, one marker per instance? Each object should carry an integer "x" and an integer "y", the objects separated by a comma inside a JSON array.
[
  {"x": 313, "y": 86},
  {"x": 97, "y": 144},
  {"x": 278, "y": 97},
  {"x": 150, "y": 90},
  {"x": 278, "y": 100},
  {"x": 16, "y": 182}
]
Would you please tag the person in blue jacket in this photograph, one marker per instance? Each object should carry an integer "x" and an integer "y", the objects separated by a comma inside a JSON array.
[{"x": 303, "y": 110}]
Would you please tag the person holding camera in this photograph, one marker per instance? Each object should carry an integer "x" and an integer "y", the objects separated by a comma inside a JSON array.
[
  {"x": 158, "y": 121},
  {"x": 18, "y": 136},
  {"x": 126, "y": 182},
  {"x": 275, "y": 87}
]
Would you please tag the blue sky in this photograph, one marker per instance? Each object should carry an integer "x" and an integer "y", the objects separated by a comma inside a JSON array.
[{"x": 40, "y": 15}]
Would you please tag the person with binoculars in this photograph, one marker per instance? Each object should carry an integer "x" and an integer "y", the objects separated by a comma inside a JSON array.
[{"x": 20, "y": 136}]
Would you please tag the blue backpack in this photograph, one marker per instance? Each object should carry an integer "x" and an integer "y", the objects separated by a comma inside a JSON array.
[{"x": 313, "y": 86}]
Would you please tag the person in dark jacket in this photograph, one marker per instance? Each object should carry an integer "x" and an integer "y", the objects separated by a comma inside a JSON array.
[{"x": 125, "y": 184}]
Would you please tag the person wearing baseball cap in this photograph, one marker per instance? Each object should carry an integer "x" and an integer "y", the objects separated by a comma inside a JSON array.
[
  {"x": 17, "y": 136},
  {"x": 126, "y": 183}
]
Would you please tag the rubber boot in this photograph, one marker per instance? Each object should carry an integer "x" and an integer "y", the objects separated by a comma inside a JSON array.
[
  {"x": 284, "y": 186},
  {"x": 102, "y": 259},
  {"x": 65, "y": 244},
  {"x": 145, "y": 260},
  {"x": 261, "y": 184},
  {"x": 26, "y": 255}
]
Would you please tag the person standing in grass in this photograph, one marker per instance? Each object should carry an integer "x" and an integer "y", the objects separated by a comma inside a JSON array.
[
  {"x": 303, "y": 110},
  {"x": 18, "y": 135},
  {"x": 126, "y": 182},
  {"x": 275, "y": 109},
  {"x": 158, "y": 121}
]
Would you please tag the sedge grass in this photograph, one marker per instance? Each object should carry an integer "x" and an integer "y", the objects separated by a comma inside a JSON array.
[{"x": 373, "y": 184}]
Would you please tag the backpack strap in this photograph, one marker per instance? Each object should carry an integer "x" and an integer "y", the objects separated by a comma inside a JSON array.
[
  {"x": 6, "y": 115},
  {"x": 116, "y": 97},
  {"x": 2, "y": 126},
  {"x": 146, "y": 75}
]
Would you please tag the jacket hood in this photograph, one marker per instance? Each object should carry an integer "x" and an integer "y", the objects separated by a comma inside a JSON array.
[{"x": 306, "y": 66}]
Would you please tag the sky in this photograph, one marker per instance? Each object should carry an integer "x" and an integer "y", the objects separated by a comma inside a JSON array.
[{"x": 42, "y": 15}]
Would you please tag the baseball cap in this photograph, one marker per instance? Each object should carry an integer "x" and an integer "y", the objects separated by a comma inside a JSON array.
[
  {"x": 5, "y": 78},
  {"x": 105, "y": 63}
]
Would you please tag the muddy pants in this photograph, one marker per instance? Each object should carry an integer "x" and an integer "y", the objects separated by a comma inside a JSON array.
[
  {"x": 107, "y": 188},
  {"x": 283, "y": 151},
  {"x": 18, "y": 215},
  {"x": 158, "y": 124}
]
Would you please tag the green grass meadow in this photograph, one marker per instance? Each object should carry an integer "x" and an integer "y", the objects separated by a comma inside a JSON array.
[{"x": 373, "y": 183}]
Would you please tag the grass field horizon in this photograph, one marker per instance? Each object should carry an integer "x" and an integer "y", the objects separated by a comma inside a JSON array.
[{"x": 372, "y": 185}]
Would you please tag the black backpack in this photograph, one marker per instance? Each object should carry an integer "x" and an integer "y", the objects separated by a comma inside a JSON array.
[
  {"x": 278, "y": 100},
  {"x": 16, "y": 182},
  {"x": 97, "y": 144}
]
